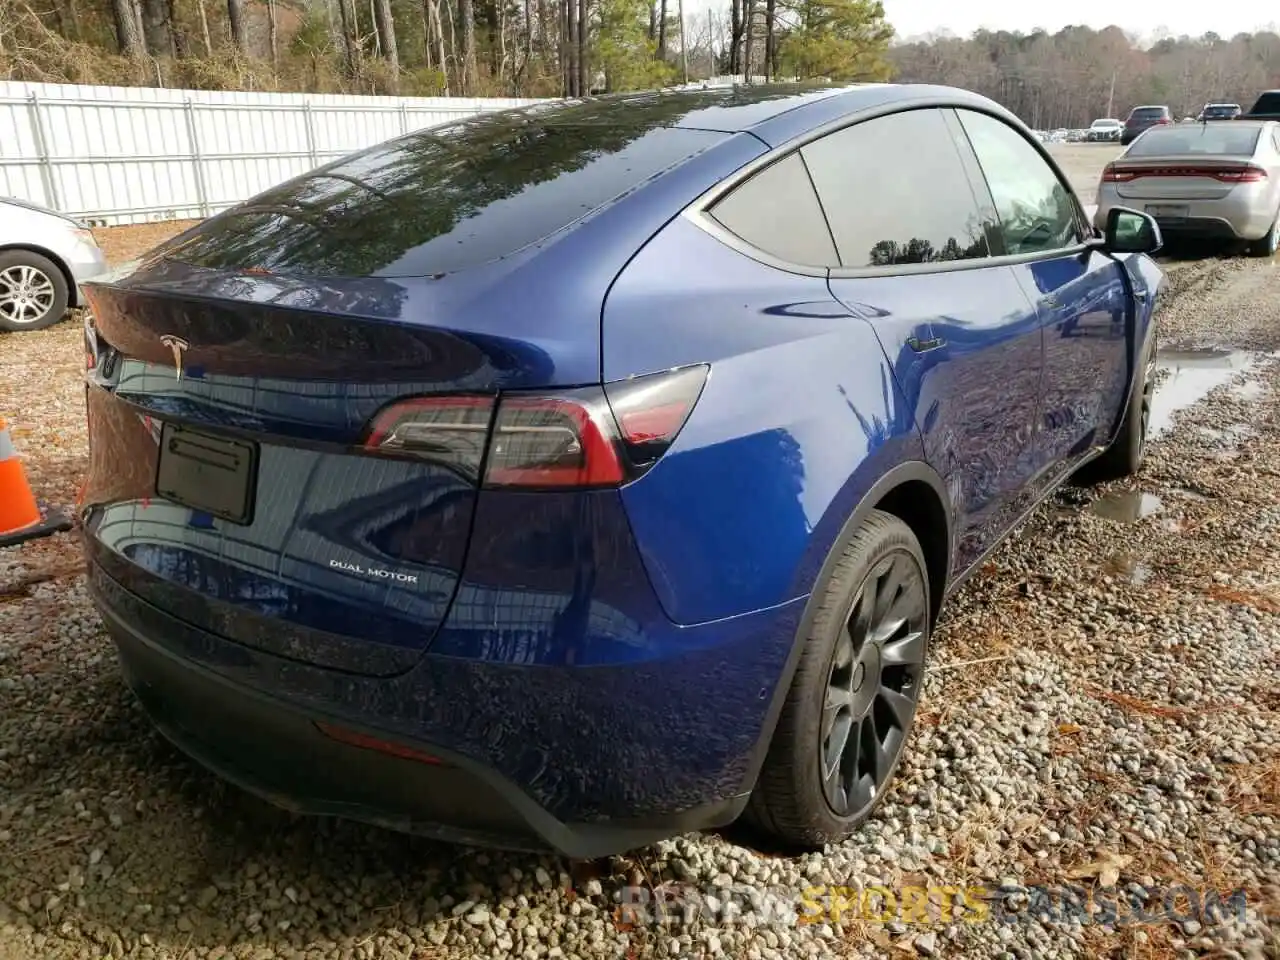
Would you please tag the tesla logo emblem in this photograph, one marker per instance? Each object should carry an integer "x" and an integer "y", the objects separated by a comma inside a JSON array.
[{"x": 177, "y": 345}]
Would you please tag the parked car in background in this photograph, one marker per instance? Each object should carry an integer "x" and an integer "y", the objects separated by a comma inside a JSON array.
[
  {"x": 44, "y": 257},
  {"x": 1212, "y": 180},
  {"x": 1143, "y": 118},
  {"x": 590, "y": 472},
  {"x": 1219, "y": 111},
  {"x": 1266, "y": 107},
  {"x": 1105, "y": 130}
]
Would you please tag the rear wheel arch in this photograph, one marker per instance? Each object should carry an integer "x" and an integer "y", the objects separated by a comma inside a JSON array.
[{"x": 913, "y": 492}]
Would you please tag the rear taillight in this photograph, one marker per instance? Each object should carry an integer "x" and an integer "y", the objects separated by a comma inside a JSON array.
[
  {"x": 565, "y": 440},
  {"x": 1240, "y": 174},
  {"x": 579, "y": 438},
  {"x": 446, "y": 430}
]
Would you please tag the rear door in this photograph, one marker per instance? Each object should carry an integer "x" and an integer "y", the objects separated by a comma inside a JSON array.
[
  {"x": 964, "y": 341},
  {"x": 1079, "y": 293}
]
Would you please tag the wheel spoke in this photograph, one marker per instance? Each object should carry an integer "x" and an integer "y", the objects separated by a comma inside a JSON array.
[
  {"x": 905, "y": 651},
  {"x": 900, "y": 705},
  {"x": 838, "y": 699},
  {"x": 870, "y": 744},
  {"x": 909, "y": 604},
  {"x": 842, "y": 659},
  {"x": 860, "y": 621},
  {"x": 890, "y": 583},
  {"x": 837, "y": 743}
]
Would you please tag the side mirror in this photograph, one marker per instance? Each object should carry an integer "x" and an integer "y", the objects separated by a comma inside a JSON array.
[{"x": 1131, "y": 231}]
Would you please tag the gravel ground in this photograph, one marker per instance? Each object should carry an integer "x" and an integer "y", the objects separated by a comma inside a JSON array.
[
  {"x": 1083, "y": 163},
  {"x": 1102, "y": 710}
]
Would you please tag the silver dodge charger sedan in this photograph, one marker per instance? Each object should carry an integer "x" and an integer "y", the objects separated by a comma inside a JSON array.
[
  {"x": 44, "y": 257},
  {"x": 1209, "y": 180}
]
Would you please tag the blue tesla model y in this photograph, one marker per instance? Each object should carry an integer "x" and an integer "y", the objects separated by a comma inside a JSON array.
[{"x": 582, "y": 474}]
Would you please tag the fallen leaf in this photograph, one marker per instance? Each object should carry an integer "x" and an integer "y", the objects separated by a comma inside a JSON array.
[
  {"x": 1068, "y": 728},
  {"x": 1106, "y": 869}
]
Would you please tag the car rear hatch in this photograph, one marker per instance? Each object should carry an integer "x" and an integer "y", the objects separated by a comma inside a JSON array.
[
  {"x": 289, "y": 408},
  {"x": 1200, "y": 162}
]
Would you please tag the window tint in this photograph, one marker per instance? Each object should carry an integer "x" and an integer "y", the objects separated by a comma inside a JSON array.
[
  {"x": 1036, "y": 211},
  {"x": 1267, "y": 103},
  {"x": 895, "y": 192},
  {"x": 777, "y": 211},
  {"x": 451, "y": 197},
  {"x": 1210, "y": 138}
]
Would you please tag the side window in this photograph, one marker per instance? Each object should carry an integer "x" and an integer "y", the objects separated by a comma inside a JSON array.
[
  {"x": 1036, "y": 211},
  {"x": 777, "y": 212},
  {"x": 896, "y": 192}
]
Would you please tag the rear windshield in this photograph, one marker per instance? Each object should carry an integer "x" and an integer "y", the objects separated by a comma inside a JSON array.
[
  {"x": 446, "y": 198},
  {"x": 1267, "y": 103},
  {"x": 1148, "y": 113},
  {"x": 1215, "y": 139},
  {"x": 1221, "y": 110}
]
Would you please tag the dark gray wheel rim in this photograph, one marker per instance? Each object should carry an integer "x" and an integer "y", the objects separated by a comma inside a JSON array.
[
  {"x": 1148, "y": 393},
  {"x": 873, "y": 685}
]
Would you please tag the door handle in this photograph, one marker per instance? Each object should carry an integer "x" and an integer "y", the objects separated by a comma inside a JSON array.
[{"x": 921, "y": 345}]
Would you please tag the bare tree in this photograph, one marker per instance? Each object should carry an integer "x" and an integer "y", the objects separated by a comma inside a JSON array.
[
  {"x": 128, "y": 36},
  {"x": 385, "y": 24},
  {"x": 235, "y": 19},
  {"x": 467, "y": 14}
]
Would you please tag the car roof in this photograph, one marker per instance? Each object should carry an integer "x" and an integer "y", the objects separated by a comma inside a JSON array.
[{"x": 745, "y": 108}]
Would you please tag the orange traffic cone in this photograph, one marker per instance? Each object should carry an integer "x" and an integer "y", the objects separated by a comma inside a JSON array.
[
  {"x": 18, "y": 508},
  {"x": 20, "y": 516}
]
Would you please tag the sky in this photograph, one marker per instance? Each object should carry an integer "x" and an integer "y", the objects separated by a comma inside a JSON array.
[{"x": 913, "y": 18}]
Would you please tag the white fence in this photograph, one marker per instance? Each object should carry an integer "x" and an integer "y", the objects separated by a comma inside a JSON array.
[{"x": 111, "y": 155}]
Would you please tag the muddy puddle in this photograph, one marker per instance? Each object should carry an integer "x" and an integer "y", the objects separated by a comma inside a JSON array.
[
  {"x": 1127, "y": 506},
  {"x": 1193, "y": 375},
  {"x": 1131, "y": 568}
]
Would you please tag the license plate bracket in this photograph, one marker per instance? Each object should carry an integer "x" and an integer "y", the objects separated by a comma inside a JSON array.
[
  {"x": 1168, "y": 211},
  {"x": 212, "y": 474}
]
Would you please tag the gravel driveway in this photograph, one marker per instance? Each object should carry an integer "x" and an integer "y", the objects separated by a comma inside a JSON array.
[{"x": 1102, "y": 709}]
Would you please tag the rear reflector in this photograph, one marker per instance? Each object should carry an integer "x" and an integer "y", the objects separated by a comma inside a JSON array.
[
  {"x": 1235, "y": 174},
  {"x": 590, "y": 437},
  {"x": 366, "y": 742}
]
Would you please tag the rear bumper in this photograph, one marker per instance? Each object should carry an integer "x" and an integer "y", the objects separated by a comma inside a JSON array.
[
  {"x": 1208, "y": 220},
  {"x": 268, "y": 742}
]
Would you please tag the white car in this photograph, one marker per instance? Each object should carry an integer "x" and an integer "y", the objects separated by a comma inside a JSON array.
[
  {"x": 1218, "y": 181},
  {"x": 1105, "y": 130},
  {"x": 44, "y": 257}
]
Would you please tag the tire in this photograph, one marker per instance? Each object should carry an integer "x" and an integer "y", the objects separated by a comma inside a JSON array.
[
  {"x": 1125, "y": 455},
  {"x": 33, "y": 291},
  {"x": 1268, "y": 245},
  {"x": 790, "y": 802}
]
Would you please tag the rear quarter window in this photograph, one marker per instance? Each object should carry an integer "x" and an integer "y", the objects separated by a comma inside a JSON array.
[{"x": 777, "y": 212}]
